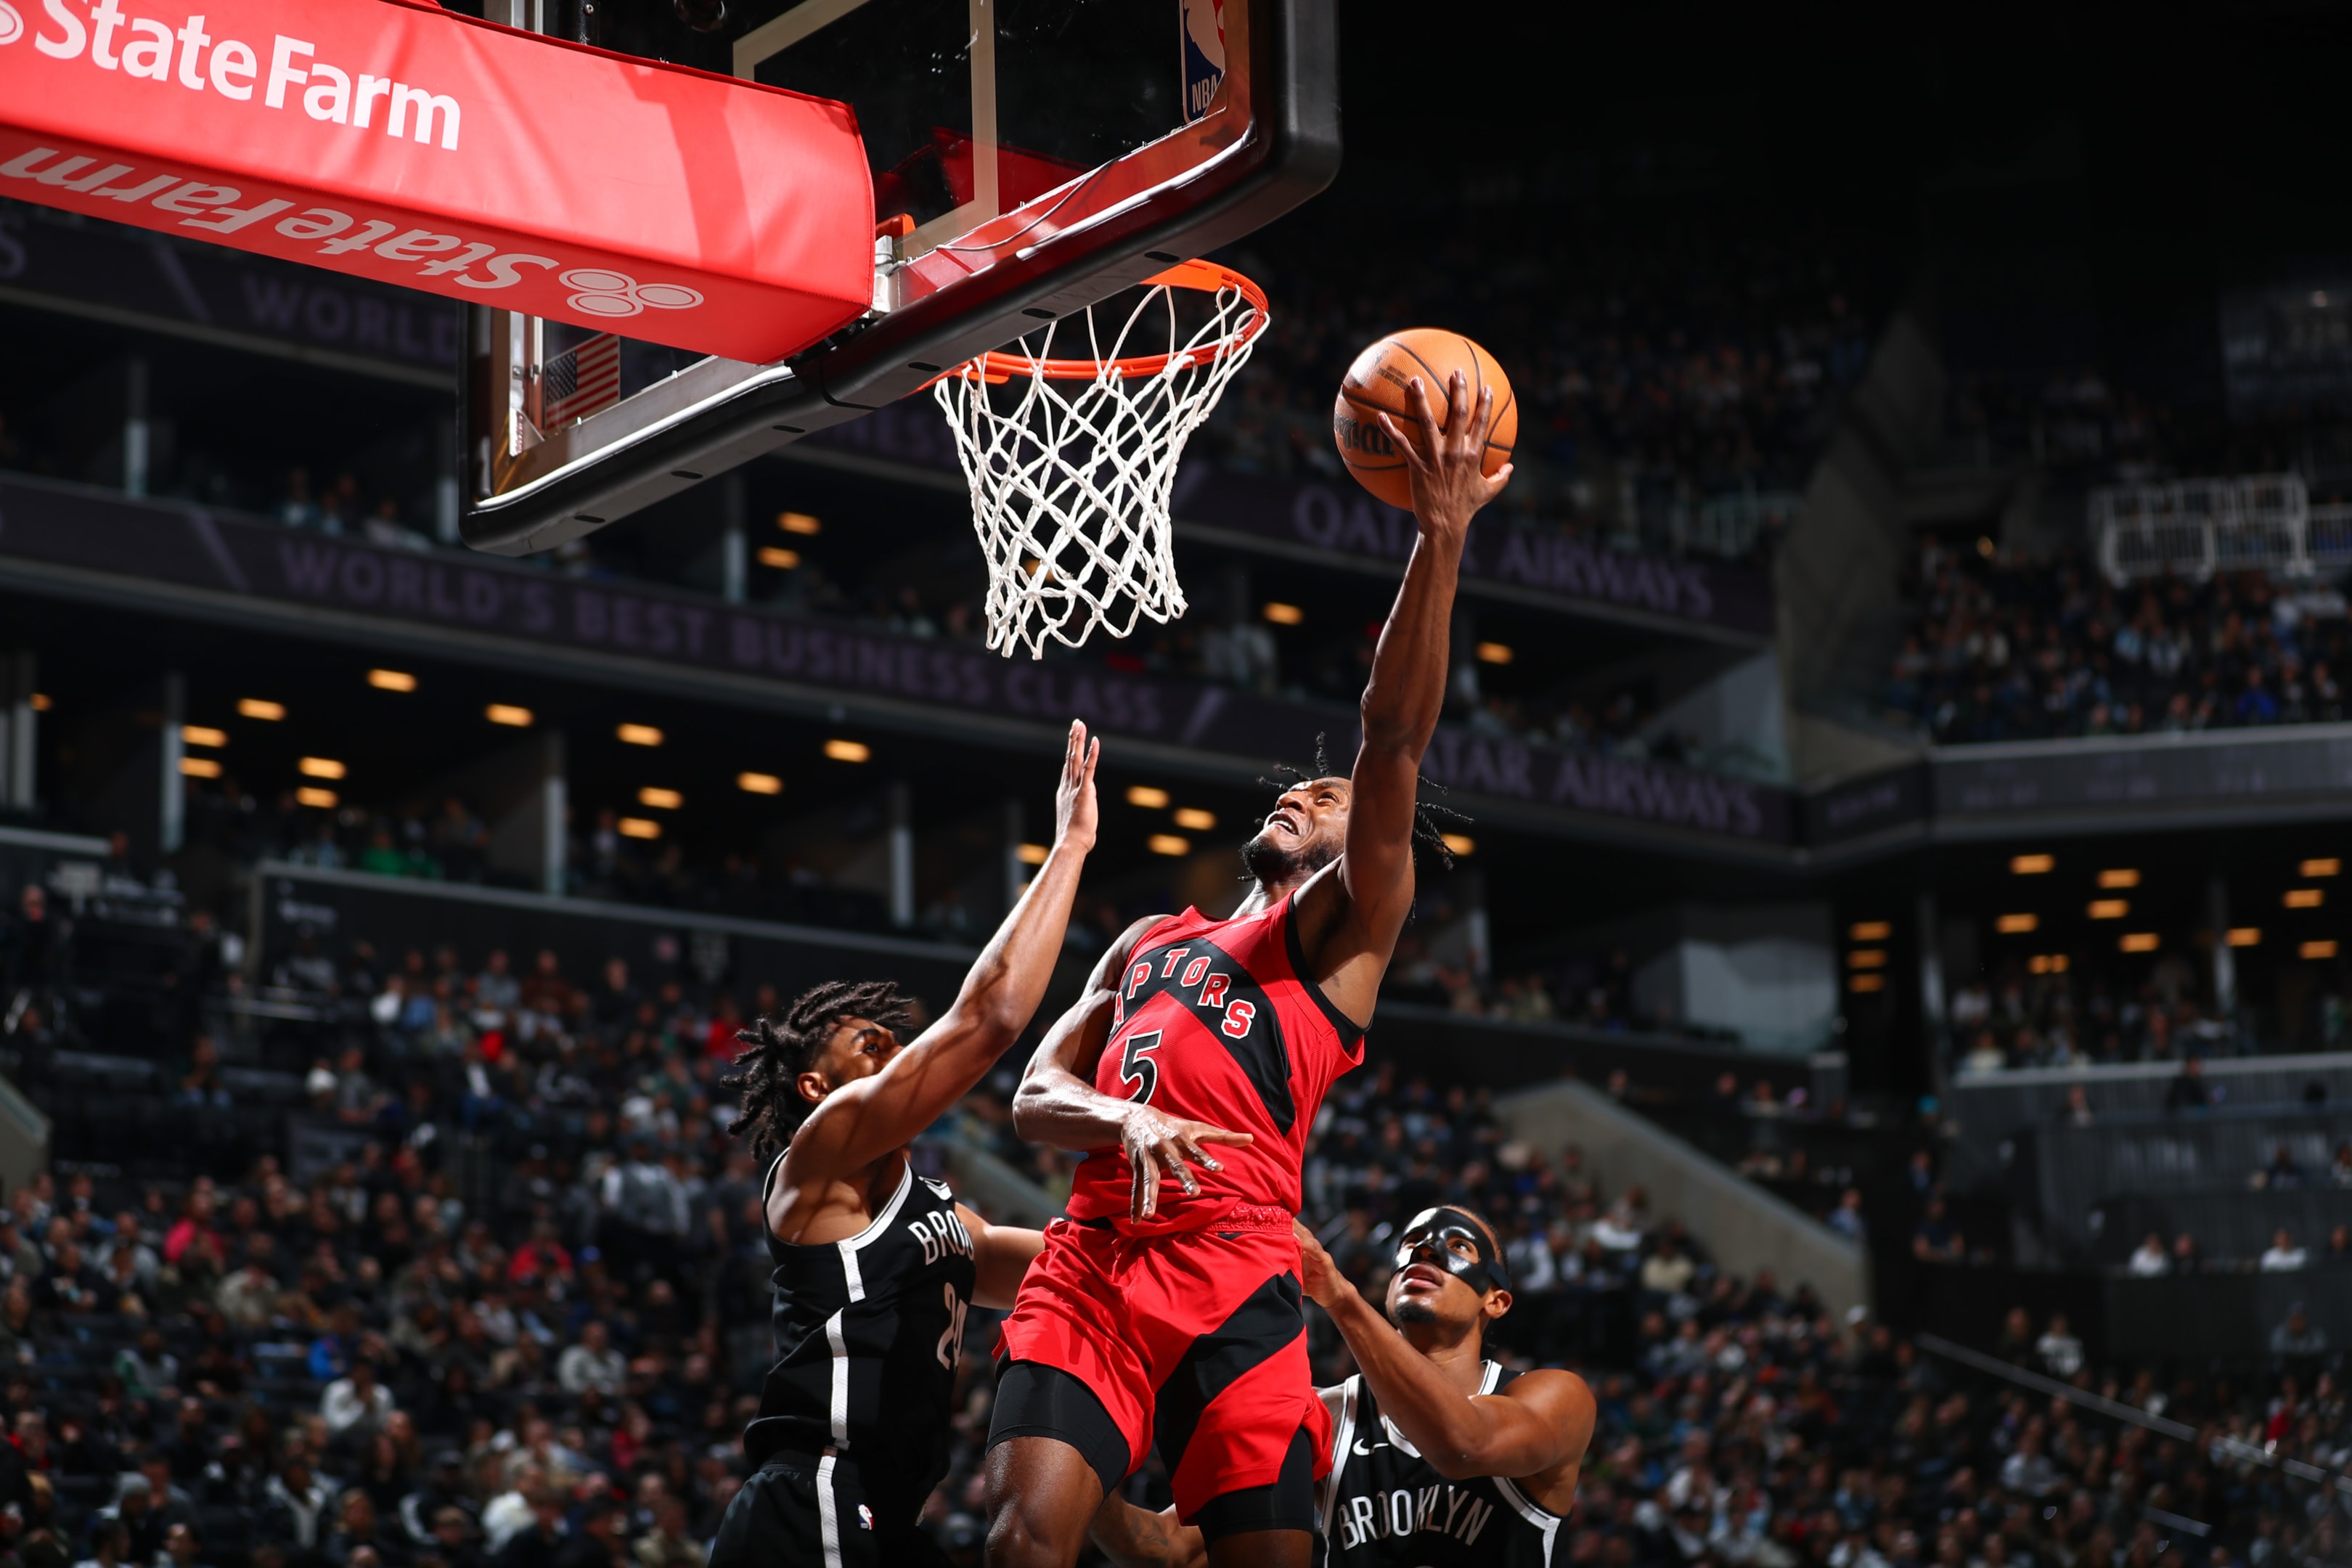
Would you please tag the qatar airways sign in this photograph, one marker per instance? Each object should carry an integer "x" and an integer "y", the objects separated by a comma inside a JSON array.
[{"x": 395, "y": 141}]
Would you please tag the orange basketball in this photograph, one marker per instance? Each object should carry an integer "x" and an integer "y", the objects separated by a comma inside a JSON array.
[{"x": 1375, "y": 384}]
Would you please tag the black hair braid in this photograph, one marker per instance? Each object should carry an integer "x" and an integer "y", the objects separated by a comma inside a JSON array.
[
  {"x": 779, "y": 1048},
  {"x": 1430, "y": 817}
]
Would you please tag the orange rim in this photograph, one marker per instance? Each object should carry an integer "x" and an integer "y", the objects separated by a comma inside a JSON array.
[{"x": 1207, "y": 276}]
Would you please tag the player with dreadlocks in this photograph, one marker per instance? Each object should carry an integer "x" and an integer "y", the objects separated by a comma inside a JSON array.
[
  {"x": 1174, "y": 1316},
  {"x": 874, "y": 1267}
]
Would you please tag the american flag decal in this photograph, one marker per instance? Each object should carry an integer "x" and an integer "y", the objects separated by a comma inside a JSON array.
[{"x": 582, "y": 380}]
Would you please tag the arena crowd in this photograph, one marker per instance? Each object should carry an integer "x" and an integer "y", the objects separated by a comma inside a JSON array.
[{"x": 509, "y": 1309}]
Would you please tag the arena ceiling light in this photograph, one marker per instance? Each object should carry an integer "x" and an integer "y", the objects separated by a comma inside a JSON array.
[
  {"x": 1146, "y": 796},
  {"x": 2137, "y": 941},
  {"x": 40, "y": 701},
  {"x": 758, "y": 783},
  {"x": 2031, "y": 865},
  {"x": 2305, "y": 898},
  {"x": 321, "y": 768},
  {"x": 1870, "y": 930},
  {"x": 2245, "y": 936},
  {"x": 799, "y": 522},
  {"x": 1283, "y": 615},
  {"x": 2049, "y": 963},
  {"x": 1865, "y": 985},
  {"x": 2326, "y": 867},
  {"x": 640, "y": 735},
  {"x": 1866, "y": 958},
  {"x": 660, "y": 799},
  {"x": 260, "y": 708},
  {"x": 2012, "y": 925},
  {"x": 1193, "y": 817},
  {"x": 392, "y": 680},
  {"x": 510, "y": 715},
  {"x": 1460, "y": 845},
  {"x": 781, "y": 559},
  {"x": 848, "y": 751},
  {"x": 202, "y": 735},
  {"x": 1031, "y": 854},
  {"x": 1494, "y": 653},
  {"x": 323, "y": 799},
  {"x": 1169, "y": 844},
  {"x": 640, "y": 827},
  {"x": 200, "y": 767},
  {"x": 2109, "y": 908},
  {"x": 2119, "y": 876},
  {"x": 2323, "y": 949}
]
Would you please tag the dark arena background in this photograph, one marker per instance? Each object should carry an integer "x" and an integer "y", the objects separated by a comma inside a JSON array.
[{"x": 1891, "y": 988}]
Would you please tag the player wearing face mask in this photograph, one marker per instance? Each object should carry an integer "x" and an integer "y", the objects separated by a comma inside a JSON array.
[{"x": 1440, "y": 1458}]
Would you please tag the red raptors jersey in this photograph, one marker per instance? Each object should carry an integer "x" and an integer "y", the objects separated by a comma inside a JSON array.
[{"x": 1217, "y": 1022}]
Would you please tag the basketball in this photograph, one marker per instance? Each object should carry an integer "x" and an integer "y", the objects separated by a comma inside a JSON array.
[{"x": 1375, "y": 384}]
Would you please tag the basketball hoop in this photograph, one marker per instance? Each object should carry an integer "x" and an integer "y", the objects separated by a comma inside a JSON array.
[{"x": 1072, "y": 461}]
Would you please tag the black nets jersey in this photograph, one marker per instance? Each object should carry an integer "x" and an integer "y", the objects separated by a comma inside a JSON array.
[
  {"x": 867, "y": 1331},
  {"x": 1384, "y": 1505}
]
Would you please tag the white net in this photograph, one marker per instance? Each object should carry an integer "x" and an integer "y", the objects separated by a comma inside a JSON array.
[{"x": 1072, "y": 461}]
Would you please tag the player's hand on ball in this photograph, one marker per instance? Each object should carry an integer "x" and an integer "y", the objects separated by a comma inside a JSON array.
[
  {"x": 1155, "y": 1145},
  {"x": 1448, "y": 487},
  {"x": 1076, "y": 812},
  {"x": 1318, "y": 1275}
]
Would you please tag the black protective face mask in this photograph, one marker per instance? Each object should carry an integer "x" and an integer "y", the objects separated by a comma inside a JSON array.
[{"x": 1429, "y": 1238}]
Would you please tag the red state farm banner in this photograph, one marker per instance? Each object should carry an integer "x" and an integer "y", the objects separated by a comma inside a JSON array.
[{"x": 403, "y": 143}]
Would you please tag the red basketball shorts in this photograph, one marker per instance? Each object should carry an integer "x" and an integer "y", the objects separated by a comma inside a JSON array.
[{"x": 1195, "y": 1339}]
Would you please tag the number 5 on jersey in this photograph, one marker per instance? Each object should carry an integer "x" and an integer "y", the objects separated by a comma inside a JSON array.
[{"x": 1135, "y": 1066}]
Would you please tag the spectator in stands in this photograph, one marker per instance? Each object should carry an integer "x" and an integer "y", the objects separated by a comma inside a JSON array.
[
  {"x": 2149, "y": 1260},
  {"x": 2340, "y": 1172},
  {"x": 356, "y": 1405},
  {"x": 29, "y": 945},
  {"x": 2297, "y": 1335},
  {"x": 2061, "y": 1352},
  {"x": 2281, "y": 1173},
  {"x": 1934, "y": 1240},
  {"x": 2187, "y": 1258},
  {"x": 2283, "y": 1256},
  {"x": 2188, "y": 1089},
  {"x": 592, "y": 1363},
  {"x": 1846, "y": 1218}
]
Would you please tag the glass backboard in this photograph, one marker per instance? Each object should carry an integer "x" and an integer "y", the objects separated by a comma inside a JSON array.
[{"x": 1029, "y": 158}]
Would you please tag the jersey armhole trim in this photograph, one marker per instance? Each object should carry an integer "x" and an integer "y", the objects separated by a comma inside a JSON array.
[
  {"x": 1352, "y": 1034},
  {"x": 1343, "y": 1433}
]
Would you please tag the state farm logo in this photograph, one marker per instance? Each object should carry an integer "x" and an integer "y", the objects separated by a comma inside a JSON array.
[
  {"x": 12, "y": 22},
  {"x": 603, "y": 292}
]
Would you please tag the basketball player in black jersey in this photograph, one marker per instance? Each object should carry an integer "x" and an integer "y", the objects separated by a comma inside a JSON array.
[
  {"x": 874, "y": 1267},
  {"x": 1440, "y": 1458}
]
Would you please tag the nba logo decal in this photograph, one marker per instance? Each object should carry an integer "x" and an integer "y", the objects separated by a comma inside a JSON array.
[
  {"x": 1204, "y": 53},
  {"x": 864, "y": 1517},
  {"x": 12, "y": 22}
]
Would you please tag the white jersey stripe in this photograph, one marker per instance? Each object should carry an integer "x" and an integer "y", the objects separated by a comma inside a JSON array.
[
  {"x": 840, "y": 1380},
  {"x": 828, "y": 1517}
]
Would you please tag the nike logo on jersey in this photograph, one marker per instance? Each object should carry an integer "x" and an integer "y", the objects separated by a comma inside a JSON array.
[
  {"x": 1364, "y": 1450},
  {"x": 1383, "y": 1516}
]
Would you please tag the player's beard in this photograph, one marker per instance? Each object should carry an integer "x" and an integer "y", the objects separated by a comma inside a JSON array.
[
  {"x": 1409, "y": 1311},
  {"x": 1273, "y": 865}
]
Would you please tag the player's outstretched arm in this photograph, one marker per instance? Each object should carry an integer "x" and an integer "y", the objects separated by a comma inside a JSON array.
[
  {"x": 1349, "y": 930},
  {"x": 1132, "y": 1538},
  {"x": 1058, "y": 1105},
  {"x": 1001, "y": 1255},
  {"x": 1542, "y": 1421},
  {"x": 861, "y": 1122}
]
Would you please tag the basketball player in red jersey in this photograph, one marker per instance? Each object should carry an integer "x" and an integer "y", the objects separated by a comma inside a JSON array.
[{"x": 1175, "y": 1316}]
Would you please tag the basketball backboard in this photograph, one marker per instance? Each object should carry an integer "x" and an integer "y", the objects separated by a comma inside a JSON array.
[{"x": 1030, "y": 157}]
